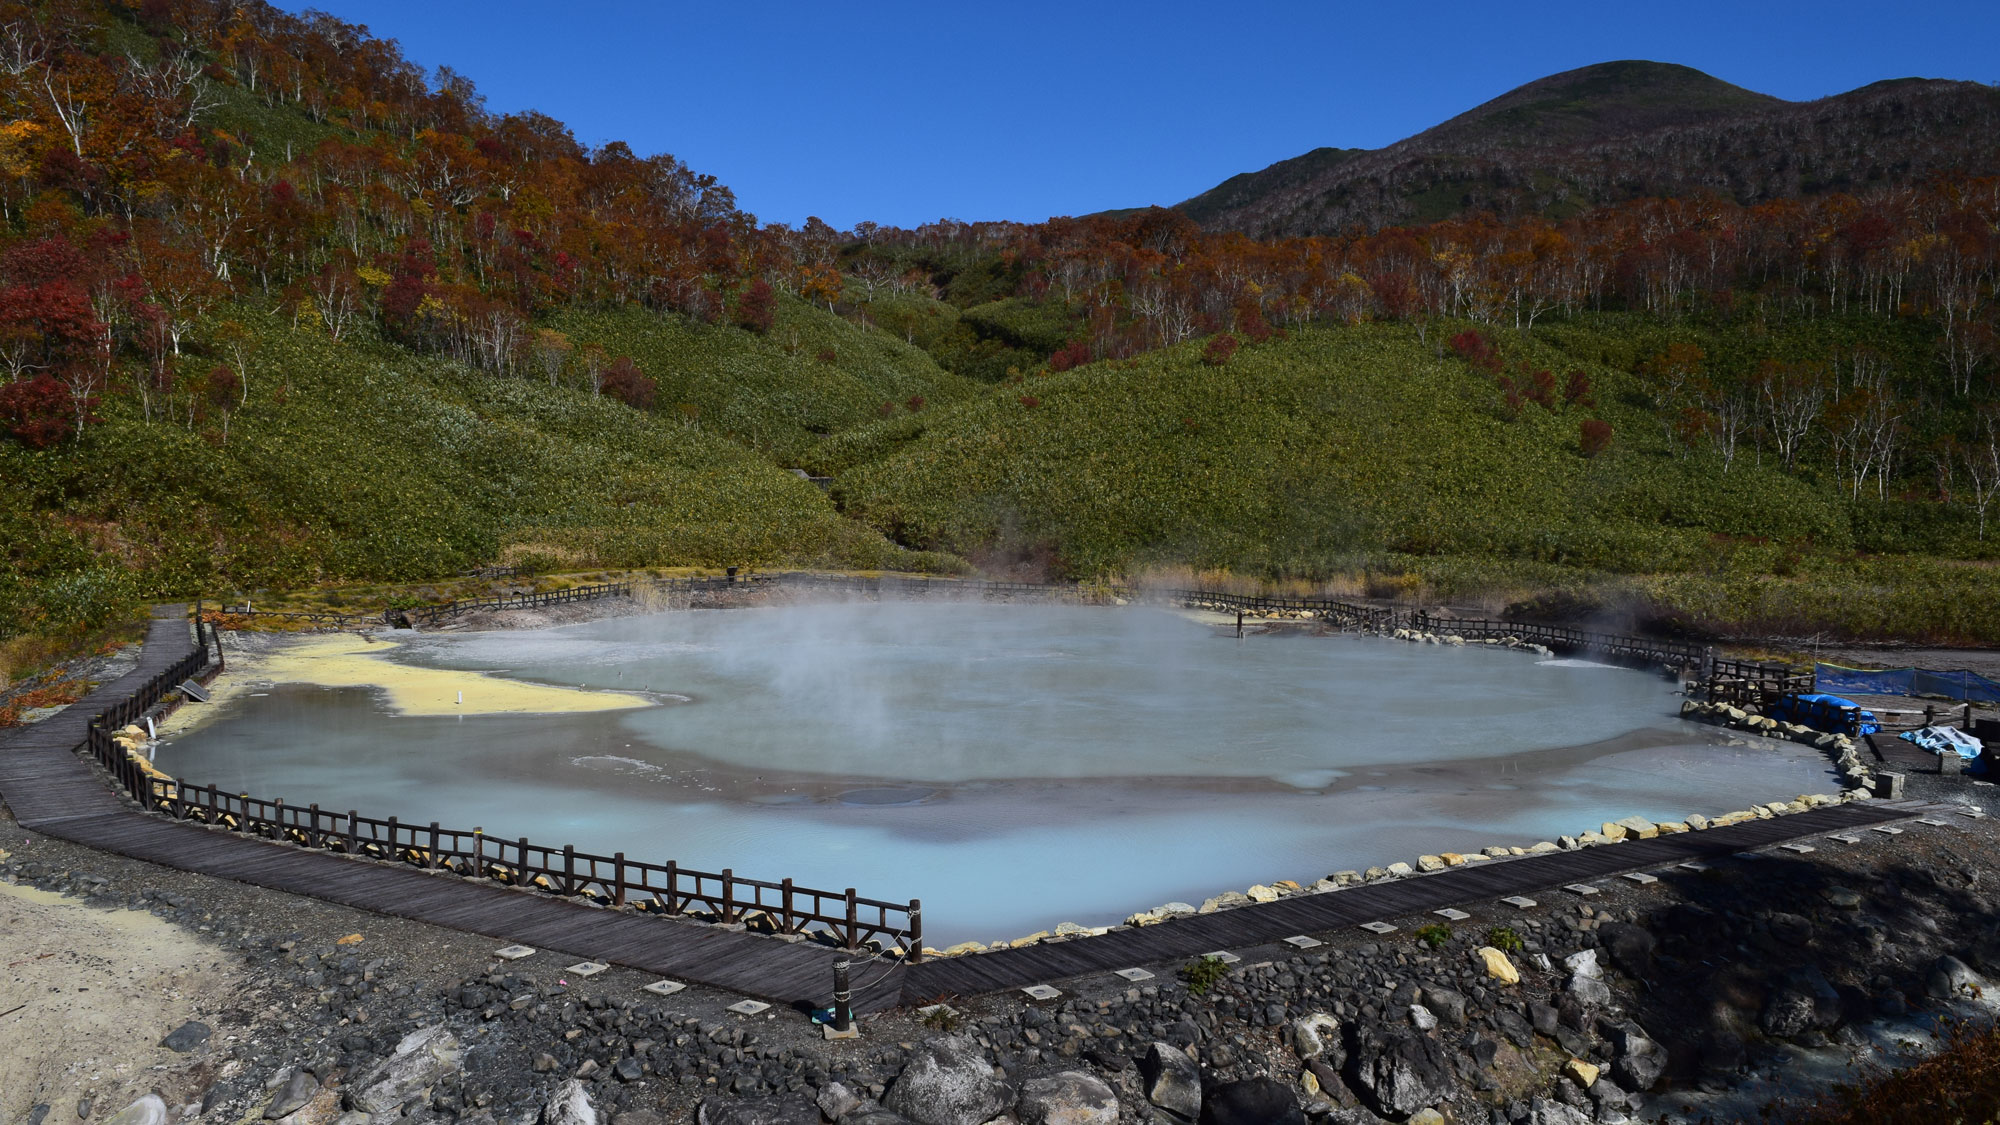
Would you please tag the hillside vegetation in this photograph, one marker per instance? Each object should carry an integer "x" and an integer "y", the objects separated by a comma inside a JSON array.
[
  {"x": 282, "y": 309},
  {"x": 1614, "y": 132}
]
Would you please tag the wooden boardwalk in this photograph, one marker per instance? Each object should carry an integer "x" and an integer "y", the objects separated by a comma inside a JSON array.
[
  {"x": 53, "y": 790},
  {"x": 1184, "y": 938}
]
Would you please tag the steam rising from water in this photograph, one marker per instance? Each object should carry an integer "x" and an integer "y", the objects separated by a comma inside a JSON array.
[{"x": 1014, "y": 766}]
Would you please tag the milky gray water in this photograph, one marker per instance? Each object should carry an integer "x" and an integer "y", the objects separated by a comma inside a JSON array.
[{"x": 1014, "y": 766}]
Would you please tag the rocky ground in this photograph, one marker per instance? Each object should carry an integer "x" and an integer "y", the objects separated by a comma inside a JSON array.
[{"x": 236, "y": 1003}]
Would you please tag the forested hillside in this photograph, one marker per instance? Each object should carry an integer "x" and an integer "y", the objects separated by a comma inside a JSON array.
[
  {"x": 1615, "y": 132},
  {"x": 278, "y": 308}
]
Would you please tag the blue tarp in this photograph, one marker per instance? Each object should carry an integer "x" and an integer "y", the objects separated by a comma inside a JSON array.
[
  {"x": 1959, "y": 684},
  {"x": 1940, "y": 740},
  {"x": 1788, "y": 709}
]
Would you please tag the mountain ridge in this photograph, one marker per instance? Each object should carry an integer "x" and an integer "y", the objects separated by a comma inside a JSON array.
[{"x": 1612, "y": 132}]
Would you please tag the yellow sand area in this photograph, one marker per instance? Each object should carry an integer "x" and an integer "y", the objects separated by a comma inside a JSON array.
[{"x": 350, "y": 660}]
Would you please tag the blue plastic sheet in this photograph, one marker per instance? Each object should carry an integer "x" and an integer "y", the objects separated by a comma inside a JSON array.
[
  {"x": 1944, "y": 740},
  {"x": 1959, "y": 684},
  {"x": 1833, "y": 714}
]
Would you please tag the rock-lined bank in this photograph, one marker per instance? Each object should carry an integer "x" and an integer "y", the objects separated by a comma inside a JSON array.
[
  {"x": 1570, "y": 1011},
  {"x": 1606, "y": 833}
]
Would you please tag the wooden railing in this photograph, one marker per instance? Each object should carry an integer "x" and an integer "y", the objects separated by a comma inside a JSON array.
[
  {"x": 842, "y": 918},
  {"x": 1727, "y": 681},
  {"x": 613, "y": 880}
]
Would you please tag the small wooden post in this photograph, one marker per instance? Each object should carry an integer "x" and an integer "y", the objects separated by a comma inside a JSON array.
[
  {"x": 312, "y": 830},
  {"x": 569, "y": 869},
  {"x": 916, "y": 931},
  {"x": 673, "y": 877},
  {"x": 728, "y": 902},
  {"x": 243, "y": 817},
  {"x": 278, "y": 820},
  {"x": 436, "y": 860},
  {"x": 353, "y": 832},
  {"x": 618, "y": 879},
  {"x": 521, "y": 870},
  {"x": 785, "y": 924},
  {"x": 843, "y": 999},
  {"x": 478, "y": 852},
  {"x": 392, "y": 837},
  {"x": 853, "y": 924}
]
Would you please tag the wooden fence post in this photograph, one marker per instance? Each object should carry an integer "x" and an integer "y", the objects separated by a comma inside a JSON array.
[
  {"x": 569, "y": 869},
  {"x": 916, "y": 931},
  {"x": 785, "y": 920},
  {"x": 392, "y": 838},
  {"x": 728, "y": 905},
  {"x": 618, "y": 879},
  {"x": 435, "y": 860},
  {"x": 853, "y": 923},
  {"x": 673, "y": 879},
  {"x": 478, "y": 852},
  {"x": 353, "y": 832}
]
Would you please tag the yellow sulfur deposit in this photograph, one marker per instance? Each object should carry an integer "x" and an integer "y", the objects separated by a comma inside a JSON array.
[{"x": 348, "y": 660}]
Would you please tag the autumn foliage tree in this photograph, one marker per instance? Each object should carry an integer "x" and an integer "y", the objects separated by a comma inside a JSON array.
[
  {"x": 757, "y": 309},
  {"x": 625, "y": 382}
]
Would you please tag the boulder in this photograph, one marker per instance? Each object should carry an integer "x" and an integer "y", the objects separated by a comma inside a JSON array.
[
  {"x": 1952, "y": 979},
  {"x": 1430, "y": 863},
  {"x": 420, "y": 1059},
  {"x": 1638, "y": 827},
  {"x": 1399, "y": 1071},
  {"x": 1804, "y": 1002},
  {"x": 1172, "y": 1082},
  {"x": 186, "y": 1037},
  {"x": 1630, "y": 947},
  {"x": 1400, "y": 869},
  {"x": 1611, "y": 830},
  {"x": 1226, "y": 898},
  {"x": 1580, "y": 1072},
  {"x": 1447, "y": 1004},
  {"x": 837, "y": 1101},
  {"x": 149, "y": 1110},
  {"x": 1422, "y": 1018},
  {"x": 1262, "y": 893},
  {"x": 1641, "y": 1060},
  {"x": 948, "y": 1082},
  {"x": 1072, "y": 1097},
  {"x": 1498, "y": 967},
  {"x": 569, "y": 1104},
  {"x": 786, "y": 1109},
  {"x": 292, "y": 1095},
  {"x": 1586, "y": 982},
  {"x": 1544, "y": 1111},
  {"x": 1316, "y": 1035},
  {"x": 1253, "y": 1101}
]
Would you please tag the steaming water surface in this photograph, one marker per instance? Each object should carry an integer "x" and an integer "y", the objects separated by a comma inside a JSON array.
[{"x": 1013, "y": 766}]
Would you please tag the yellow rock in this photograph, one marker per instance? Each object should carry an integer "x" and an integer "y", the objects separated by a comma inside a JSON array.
[
  {"x": 1429, "y": 863},
  {"x": 1498, "y": 966},
  {"x": 350, "y": 939},
  {"x": 1262, "y": 893},
  {"x": 1580, "y": 1072},
  {"x": 1451, "y": 859},
  {"x": 1286, "y": 885},
  {"x": 1669, "y": 827}
]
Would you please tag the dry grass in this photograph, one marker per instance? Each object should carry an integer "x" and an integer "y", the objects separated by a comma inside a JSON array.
[{"x": 1959, "y": 1084}]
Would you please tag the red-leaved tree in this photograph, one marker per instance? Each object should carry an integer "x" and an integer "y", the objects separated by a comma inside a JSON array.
[
  {"x": 1594, "y": 437},
  {"x": 625, "y": 382},
  {"x": 1219, "y": 350}
]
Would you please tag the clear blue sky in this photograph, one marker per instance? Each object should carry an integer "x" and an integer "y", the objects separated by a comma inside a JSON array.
[{"x": 906, "y": 112}]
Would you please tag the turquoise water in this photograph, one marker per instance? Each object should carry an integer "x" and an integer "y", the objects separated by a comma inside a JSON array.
[{"x": 1013, "y": 766}]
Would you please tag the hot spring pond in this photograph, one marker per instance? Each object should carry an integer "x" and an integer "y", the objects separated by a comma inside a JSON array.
[{"x": 1014, "y": 766}]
